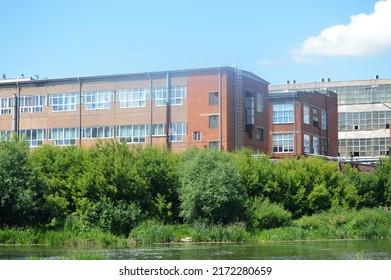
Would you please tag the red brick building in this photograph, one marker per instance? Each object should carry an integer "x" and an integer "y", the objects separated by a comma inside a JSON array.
[{"x": 221, "y": 107}]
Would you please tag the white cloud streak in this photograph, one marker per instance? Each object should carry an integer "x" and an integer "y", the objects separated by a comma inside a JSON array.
[{"x": 364, "y": 35}]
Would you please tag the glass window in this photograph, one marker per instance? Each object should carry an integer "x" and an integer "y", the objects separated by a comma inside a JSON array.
[
  {"x": 283, "y": 113},
  {"x": 250, "y": 110},
  {"x": 177, "y": 93},
  {"x": 159, "y": 129},
  {"x": 307, "y": 144},
  {"x": 315, "y": 145},
  {"x": 214, "y": 145},
  {"x": 5, "y": 135},
  {"x": 132, "y": 98},
  {"x": 98, "y": 132},
  {"x": 63, "y": 102},
  {"x": 259, "y": 134},
  {"x": 213, "y": 98},
  {"x": 213, "y": 121},
  {"x": 177, "y": 131},
  {"x": 324, "y": 120},
  {"x": 196, "y": 136},
  {"x": 6, "y": 105},
  {"x": 259, "y": 102},
  {"x": 34, "y": 137},
  {"x": 132, "y": 133},
  {"x": 160, "y": 96},
  {"x": 306, "y": 114},
  {"x": 63, "y": 136},
  {"x": 96, "y": 100},
  {"x": 283, "y": 143},
  {"x": 32, "y": 104},
  {"x": 315, "y": 117}
]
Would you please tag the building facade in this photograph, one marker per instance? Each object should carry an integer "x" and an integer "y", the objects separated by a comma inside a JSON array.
[
  {"x": 221, "y": 107},
  {"x": 364, "y": 114},
  {"x": 303, "y": 122}
]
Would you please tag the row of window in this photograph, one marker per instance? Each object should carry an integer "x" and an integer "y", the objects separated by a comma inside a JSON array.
[
  {"x": 125, "y": 133},
  {"x": 364, "y": 121},
  {"x": 95, "y": 100},
  {"x": 284, "y": 113},
  {"x": 370, "y": 147},
  {"x": 284, "y": 143}
]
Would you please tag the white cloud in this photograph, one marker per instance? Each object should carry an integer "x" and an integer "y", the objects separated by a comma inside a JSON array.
[{"x": 365, "y": 35}]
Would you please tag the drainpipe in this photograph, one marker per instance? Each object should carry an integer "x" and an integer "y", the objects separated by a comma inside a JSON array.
[
  {"x": 15, "y": 107},
  {"x": 220, "y": 112},
  {"x": 168, "y": 111},
  {"x": 150, "y": 110},
  {"x": 79, "y": 115}
]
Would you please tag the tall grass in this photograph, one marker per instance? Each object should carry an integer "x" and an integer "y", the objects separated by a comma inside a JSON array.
[{"x": 348, "y": 224}]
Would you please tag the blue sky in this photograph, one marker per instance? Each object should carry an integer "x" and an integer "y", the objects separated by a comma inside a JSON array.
[{"x": 302, "y": 40}]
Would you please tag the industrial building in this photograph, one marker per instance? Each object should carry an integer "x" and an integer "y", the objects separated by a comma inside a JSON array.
[
  {"x": 221, "y": 107},
  {"x": 364, "y": 114}
]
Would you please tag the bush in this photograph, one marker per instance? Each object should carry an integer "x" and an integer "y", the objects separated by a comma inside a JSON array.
[{"x": 264, "y": 214}]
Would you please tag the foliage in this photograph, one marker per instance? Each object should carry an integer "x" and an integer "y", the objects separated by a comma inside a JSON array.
[
  {"x": 264, "y": 214},
  {"x": 20, "y": 193},
  {"x": 210, "y": 187}
]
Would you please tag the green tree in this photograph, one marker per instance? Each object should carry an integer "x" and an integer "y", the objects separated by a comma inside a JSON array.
[
  {"x": 211, "y": 188},
  {"x": 20, "y": 198}
]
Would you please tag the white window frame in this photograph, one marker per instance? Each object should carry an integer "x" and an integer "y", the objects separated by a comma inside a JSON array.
[
  {"x": 283, "y": 143},
  {"x": 324, "y": 120},
  {"x": 177, "y": 131},
  {"x": 100, "y": 132},
  {"x": 316, "y": 145},
  {"x": 35, "y": 137},
  {"x": 97, "y": 100},
  {"x": 197, "y": 136},
  {"x": 6, "y": 105},
  {"x": 63, "y": 102},
  {"x": 283, "y": 113},
  {"x": 177, "y": 94},
  {"x": 132, "y": 98},
  {"x": 64, "y": 136},
  {"x": 132, "y": 134},
  {"x": 159, "y": 129},
  {"x": 307, "y": 143},
  {"x": 160, "y": 96},
  {"x": 32, "y": 103}
]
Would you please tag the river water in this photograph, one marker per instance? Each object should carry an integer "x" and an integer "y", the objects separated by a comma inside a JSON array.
[{"x": 299, "y": 250}]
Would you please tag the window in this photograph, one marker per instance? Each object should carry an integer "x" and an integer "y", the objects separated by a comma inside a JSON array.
[
  {"x": 307, "y": 144},
  {"x": 63, "y": 102},
  {"x": 259, "y": 103},
  {"x": 283, "y": 143},
  {"x": 315, "y": 145},
  {"x": 282, "y": 113},
  {"x": 96, "y": 100},
  {"x": 160, "y": 96},
  {"x": 177, "y": 94},
  {"x": 214, "y": 145},
  {"x": 324, "y": 120},
  {"x": 6, "y": 105},
  {"x": 132, "y": 98},
  {"x": 306, "y": 114},
  {"x": 177, "y": 131},
  {"x": 159, "y": 129},
  {"x": 196, "y": 136},
  {"x": 34, "y": 137},
  {"x": 97, "y": 132},
  {"x": 5, "y": 134},
  {"x": 259, "y": 134},
  {"x": 32, "y": 104},
  {"x": 213, "y": 98},
  {"x": 250, "y": 110},
  {"x": 213, "y": 121},
  {"x": 132, "y": 133},
  {"x": 315, "y": 117},
  {"x": 325, "y": 147},
  {"x": 63, "y": 136}
]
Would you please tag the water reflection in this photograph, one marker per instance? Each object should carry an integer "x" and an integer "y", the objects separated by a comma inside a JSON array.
[{"x": 303, "y": 250}]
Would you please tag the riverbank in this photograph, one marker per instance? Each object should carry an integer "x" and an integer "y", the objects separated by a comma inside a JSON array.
[{"x": 349, "y": 224}]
